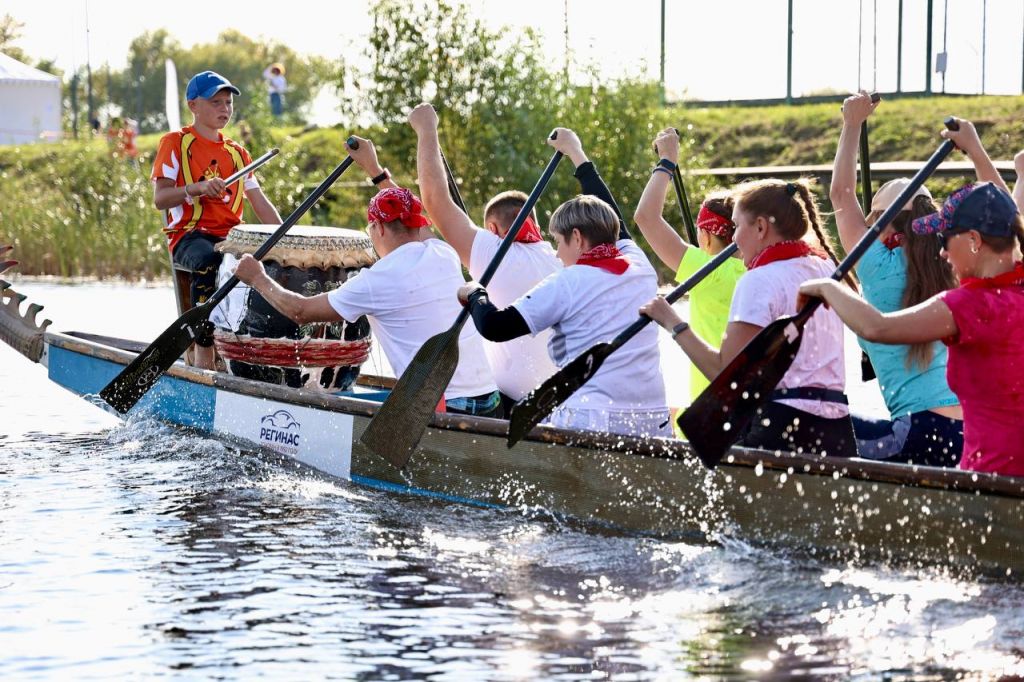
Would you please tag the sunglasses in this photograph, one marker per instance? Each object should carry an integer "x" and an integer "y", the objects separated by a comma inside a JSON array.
[{"x": 946, "y": 235}]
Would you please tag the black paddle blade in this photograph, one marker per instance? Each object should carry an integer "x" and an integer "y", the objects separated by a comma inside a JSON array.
[
  {"x": 541, "y": 401},
  {"x": 729, "y": 404},
  {"x": 145, "y": 370},
  {"x": 396, "y": 429}
]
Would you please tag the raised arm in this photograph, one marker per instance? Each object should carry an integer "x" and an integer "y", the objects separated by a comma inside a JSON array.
[
  {"x": 454, "y": 225},
  {"x": 1018, "y": 187},
  {"x": 930, "y": 320},
  {"x": 649, "y": 216},
  {"x": 843, "y": 192},
  {"x": 967, "y": 140},
  {"x": 567, "y": 142},
  {"x": 366, "y": 158}
]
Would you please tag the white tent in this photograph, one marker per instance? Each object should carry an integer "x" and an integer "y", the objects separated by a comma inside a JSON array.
[{"x": 29, "y": 103}]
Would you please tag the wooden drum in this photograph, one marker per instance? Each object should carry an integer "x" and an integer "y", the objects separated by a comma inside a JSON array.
[{"x": 259, "y": 343}]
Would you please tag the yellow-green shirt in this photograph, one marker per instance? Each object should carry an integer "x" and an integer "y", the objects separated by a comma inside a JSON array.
[{"x": 709, "y": 303}]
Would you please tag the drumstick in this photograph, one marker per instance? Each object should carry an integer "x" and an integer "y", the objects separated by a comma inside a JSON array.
[{"x": 238, "y": 175}]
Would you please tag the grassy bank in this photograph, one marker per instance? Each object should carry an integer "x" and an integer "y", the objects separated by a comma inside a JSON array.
[{"x": 72, "y": 210}]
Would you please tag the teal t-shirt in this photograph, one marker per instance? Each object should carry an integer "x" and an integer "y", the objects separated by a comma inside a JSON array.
[
  {"x": 709, "y": 303},
  {"x": 883, "y": 277}
]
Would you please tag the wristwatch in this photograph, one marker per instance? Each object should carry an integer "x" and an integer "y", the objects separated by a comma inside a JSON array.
[
  {"x": 680, "y": 328},
  {"x": 384, "y": 175}
]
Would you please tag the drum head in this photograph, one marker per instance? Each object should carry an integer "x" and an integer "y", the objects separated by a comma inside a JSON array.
[{"x": 304, "y": 246}]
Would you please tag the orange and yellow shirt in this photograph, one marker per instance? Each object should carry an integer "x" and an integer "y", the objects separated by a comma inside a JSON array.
[{"x": 203, "y": 159}]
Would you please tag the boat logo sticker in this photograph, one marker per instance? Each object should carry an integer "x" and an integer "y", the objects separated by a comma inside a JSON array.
[
  {"x": 280, "y": 428},
  {"x": 319, "y": 438}
]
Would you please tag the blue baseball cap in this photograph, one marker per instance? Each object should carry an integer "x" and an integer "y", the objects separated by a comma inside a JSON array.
[
  {"x": 207, "y": 84},
  {"x": 982, "y": 207}
]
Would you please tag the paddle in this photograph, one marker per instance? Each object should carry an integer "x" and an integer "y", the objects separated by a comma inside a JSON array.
[
  {"x": 865, "y": 162},
  {"x": 143, "y": 372},
  {"x": 867, "y": 370},
  {"x": 682, "y": 201},
  {"x": 453, "y": 189},
  {"x": 542, "y": 400},
  {"x": 400, "y": 422},
  {"x": 720, "y": 415}
]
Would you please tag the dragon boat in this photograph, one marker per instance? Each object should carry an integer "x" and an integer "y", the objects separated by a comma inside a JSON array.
[{"x": 850, "y": 510}]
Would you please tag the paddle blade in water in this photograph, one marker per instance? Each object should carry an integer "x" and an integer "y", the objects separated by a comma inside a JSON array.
[
  {"x": 396, "y": 429},
  {"x": 542, "y": 400},
  {"x": 718, "y": 417},
  {"x": 144, "y": 371}
]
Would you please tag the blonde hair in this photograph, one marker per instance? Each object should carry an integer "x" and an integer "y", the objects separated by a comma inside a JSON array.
[
  {"x": 594, "y": 218},
  {"x": 504, "y": 207}
]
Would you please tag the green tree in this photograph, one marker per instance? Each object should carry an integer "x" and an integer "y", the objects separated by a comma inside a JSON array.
[
  {"x": 10, "y": 31},
  {"x": 498, "y": 98}
]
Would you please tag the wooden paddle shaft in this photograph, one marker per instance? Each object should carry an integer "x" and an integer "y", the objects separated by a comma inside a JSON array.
[
  {"x": 865, "y": 163},
  {"x": 682, "y": 200},
  {"x": 677, "y": 293},
  {"x": 865, "y": 169},
  {"x": 453, "y": 189},
  {"x": 684, "y": 205},
  {"x": 524, "y": 213}
]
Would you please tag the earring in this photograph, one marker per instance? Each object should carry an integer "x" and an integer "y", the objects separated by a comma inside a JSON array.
[{"x": 974, "y": 247}]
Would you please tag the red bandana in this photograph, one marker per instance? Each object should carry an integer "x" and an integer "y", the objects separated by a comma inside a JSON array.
[
  {"x": 605, "y": 256},
  {"x": 893, "y": 241},
  {"x": 1013, "y": 278},
  {"x": 709, "y": 221},
  {"x": 529, "y": 233},
  {"x": 784, "y": 251},
  {"x": 396, "y": 203}
]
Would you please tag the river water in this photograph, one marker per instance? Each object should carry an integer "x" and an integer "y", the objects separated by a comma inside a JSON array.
[{"x": 137, "y": 550}]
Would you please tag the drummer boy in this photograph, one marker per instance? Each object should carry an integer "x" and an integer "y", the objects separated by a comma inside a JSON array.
[{"x": 188, "y": 186}]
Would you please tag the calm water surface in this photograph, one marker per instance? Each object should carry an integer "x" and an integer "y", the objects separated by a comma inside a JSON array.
[{"x": 136, "y": 550}]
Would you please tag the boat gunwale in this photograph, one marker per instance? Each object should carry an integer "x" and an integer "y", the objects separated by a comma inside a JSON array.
[{"x": 122, "y": 351}]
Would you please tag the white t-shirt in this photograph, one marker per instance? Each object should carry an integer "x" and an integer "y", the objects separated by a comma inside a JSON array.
[
  {"x": 583, "y": 306},
  {"x": 769, "y": 292},
  {"x": 409, "y": 296},
  {"x": 275, "y": 83},
  {"x": 522, "y": 364}
]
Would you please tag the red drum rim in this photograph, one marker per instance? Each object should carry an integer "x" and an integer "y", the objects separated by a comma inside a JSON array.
[{"x": 305, "y": 352}]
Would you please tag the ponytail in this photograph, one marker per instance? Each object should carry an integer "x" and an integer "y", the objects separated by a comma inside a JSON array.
[
  {"x": 814, "y": 219},
  {"x": 791, "y": 208}
]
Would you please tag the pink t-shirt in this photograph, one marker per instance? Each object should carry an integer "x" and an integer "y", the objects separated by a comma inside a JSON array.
[{"x": 986, "y": 371}]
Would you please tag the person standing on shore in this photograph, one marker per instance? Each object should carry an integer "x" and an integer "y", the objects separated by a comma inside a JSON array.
[{"x": 276, "y": 86}]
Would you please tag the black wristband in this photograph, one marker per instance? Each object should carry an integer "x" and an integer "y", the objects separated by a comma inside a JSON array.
[
  {"x": 665, "y": 163},
  {"x": 475, "y": 296},
  {"x": 680, "y": 328},
  {"x": 384, "y": 175}
]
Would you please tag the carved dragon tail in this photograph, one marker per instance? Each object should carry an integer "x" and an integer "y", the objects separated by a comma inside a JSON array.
[{"x": 20, "y": 332}]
